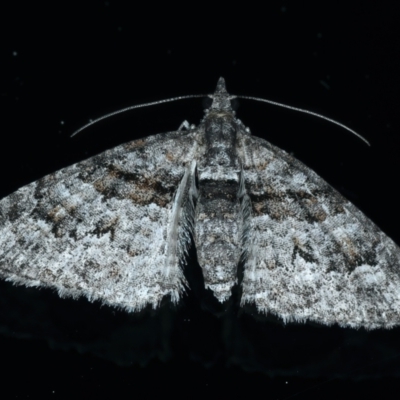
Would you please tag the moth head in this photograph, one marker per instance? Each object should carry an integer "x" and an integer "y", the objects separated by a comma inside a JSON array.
[{"x": 221, "y": 99}]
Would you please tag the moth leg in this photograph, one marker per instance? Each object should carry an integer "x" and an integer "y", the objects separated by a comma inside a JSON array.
[{"x": 184, "y": 125}]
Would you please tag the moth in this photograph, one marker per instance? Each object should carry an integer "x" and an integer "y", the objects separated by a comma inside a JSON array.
[{"x": 117, "y": 227}]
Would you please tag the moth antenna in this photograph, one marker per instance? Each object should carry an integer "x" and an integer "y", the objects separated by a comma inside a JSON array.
[
  {"x": 307, "y": 112},
  {"x": 122, "y": 110}
]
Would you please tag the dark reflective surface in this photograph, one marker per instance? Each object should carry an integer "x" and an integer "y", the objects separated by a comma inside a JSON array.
[{"x": 193, "y": 334}]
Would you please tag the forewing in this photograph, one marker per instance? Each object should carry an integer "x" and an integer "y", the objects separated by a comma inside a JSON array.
[
  {"x": 102, "y": 228},
  {"x": 310, "y": 253}
]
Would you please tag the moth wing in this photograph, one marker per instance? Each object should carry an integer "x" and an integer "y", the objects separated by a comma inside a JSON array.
[
  {"x": 109, "y": 228},
  {"x": 310, "y": 253}
]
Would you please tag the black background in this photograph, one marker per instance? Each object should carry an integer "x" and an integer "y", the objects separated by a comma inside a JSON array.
[{"x": 67, "y": 62}]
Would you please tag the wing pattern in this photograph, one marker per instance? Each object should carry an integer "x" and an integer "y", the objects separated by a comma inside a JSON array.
[
  {"x": 106, "y": 227},
  {"x": 116, "y": 228},
  {"x": 312, "y": 254}
]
